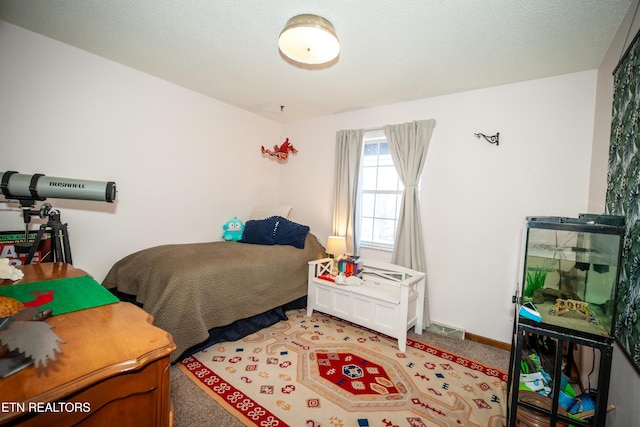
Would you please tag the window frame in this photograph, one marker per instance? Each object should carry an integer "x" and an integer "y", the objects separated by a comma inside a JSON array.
[{"x": 377, "y": 137}]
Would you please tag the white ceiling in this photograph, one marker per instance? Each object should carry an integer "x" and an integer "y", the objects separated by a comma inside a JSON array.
[{"x": 392, "y": 50}]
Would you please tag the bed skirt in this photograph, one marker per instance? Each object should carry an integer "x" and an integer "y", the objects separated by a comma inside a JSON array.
[{"x": 236, "y": 330}]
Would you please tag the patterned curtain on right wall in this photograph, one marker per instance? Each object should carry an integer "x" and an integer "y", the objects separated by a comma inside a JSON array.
[{"x": 623, "y": 197}]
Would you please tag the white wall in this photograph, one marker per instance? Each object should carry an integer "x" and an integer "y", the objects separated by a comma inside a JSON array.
[
  {"x": 475, "y": 196},
  {"x": 183, "y": 163}
]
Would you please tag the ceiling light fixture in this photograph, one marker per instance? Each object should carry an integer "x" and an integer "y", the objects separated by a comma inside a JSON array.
[{"x": 309, "y": 39}]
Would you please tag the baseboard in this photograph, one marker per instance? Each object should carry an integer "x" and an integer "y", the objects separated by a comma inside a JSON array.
[{"x": 488, "y": 341}]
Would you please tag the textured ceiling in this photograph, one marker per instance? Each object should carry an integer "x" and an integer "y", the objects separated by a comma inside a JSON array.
[{"x": 392, "y": 50}]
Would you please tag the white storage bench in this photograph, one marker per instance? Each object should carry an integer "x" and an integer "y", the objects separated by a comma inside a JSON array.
[{"x": 390, "y": 301}]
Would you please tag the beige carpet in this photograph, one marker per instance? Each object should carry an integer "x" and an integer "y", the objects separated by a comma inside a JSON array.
[{"x": 193, "y": 407}]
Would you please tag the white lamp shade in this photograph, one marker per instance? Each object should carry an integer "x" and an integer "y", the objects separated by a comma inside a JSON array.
[
  {"x": 336, "y": 245},
  {"x": 309, "y": 39}
]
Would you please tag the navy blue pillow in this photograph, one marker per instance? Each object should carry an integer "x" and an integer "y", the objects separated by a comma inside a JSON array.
[
  {"x": 259, "y": 231},
  {"x": 290, "y": 233}
]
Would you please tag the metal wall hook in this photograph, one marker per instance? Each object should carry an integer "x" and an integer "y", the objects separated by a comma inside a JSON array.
[{"x": 493, "y": 139}]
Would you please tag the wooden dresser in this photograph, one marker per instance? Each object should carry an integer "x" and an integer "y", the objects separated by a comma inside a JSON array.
[{"x": 114, "y": 369}]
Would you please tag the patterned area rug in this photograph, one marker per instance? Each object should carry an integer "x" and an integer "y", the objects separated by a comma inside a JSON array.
[{"x": 321, "y": 371}]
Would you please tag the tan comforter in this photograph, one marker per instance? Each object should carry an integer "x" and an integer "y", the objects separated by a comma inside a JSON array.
[{"x": 191, "y": 288}]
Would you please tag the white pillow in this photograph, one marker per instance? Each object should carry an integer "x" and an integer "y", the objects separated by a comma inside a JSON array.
[{"x": 262, "y": 212}]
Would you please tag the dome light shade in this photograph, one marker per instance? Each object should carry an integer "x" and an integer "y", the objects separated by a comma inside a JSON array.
[{"x": 309, "y": 39}]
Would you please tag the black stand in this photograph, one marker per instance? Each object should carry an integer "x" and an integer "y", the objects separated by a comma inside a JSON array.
[
  {"x": 552, "y": 414},
  {"x": 60, "y": 248}
]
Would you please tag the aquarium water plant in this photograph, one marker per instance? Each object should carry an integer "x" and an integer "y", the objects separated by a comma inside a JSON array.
[{"x": 535, "y": 281}]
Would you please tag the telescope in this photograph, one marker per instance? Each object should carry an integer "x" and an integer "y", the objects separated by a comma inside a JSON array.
[{"x": 29, "y": 188}]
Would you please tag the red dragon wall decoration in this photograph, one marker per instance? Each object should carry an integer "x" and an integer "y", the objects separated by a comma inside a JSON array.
[{"x": 280, "y": 153}]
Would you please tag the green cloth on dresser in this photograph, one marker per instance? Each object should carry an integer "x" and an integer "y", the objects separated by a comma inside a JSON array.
[{"x": 69, "y": 294}]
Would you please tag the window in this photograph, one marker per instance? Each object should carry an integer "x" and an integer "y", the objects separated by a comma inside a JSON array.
[{"x": 380, "y": 195}]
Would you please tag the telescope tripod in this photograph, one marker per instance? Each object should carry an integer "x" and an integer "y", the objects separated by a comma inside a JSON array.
[{"x": 60, "y": 248}]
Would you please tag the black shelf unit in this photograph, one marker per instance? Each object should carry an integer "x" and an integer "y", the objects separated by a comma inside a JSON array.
[
  {"x": 562, "y": 335},
  {"x": 569, "y": 276}
]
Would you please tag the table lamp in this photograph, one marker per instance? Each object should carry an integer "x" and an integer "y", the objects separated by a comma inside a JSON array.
[{"x": 336, "y": 246}]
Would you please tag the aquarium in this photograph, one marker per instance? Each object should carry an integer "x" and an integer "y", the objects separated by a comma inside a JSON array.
[{"x": 571, "y": 270}]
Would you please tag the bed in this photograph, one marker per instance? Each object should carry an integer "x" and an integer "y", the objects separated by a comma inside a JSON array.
[{"x": 195, "y": 291}]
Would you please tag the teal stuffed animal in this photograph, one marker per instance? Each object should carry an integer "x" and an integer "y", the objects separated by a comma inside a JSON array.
[{"x": 233, "y": 230}]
